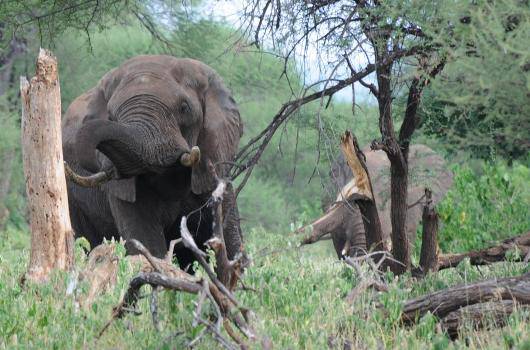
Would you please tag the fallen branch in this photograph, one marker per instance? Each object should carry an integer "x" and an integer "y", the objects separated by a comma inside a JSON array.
[
  {"x": 100, "y": 273},
  {"x": 159, "y": 273},
  {"x": 478, "y": 316},
  {"x": 364, "y": 285},
  {"x": 443, "y": 302},
  {"x": 489, "y": 255}
]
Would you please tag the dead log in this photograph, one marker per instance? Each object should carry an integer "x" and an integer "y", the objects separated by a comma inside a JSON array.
[
  {"x": 362, "y": 192},
  {"x": 100, "y": 273},
  {"x": 479, "y": 316},
  {"x": 51, "y": 231},
  {"x": 161, "y": 273},
  {"x": 489, "y": 255},
  {"x": 445, "y": 301},
  {"x": 429, "y": 239}
]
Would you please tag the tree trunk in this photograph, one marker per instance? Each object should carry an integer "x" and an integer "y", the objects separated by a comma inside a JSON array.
[
  {"x": 364, "y": 196},
  {"x": 398, "y": 217},
  {"x": 51, "y": 231},
  {"x": 483, "y": 315},
  {"x": 489, "y": 255},
  {"x": 443, "y": 302},
  {"x": 429, "y": 240}
]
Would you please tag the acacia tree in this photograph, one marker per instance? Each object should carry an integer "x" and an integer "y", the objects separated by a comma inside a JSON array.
[{"x": 397, "y": 42}]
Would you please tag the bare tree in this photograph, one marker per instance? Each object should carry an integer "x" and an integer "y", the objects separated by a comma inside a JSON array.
[
  {"x": 354, "y": 40},
  {"x": 51, "y": 232}
]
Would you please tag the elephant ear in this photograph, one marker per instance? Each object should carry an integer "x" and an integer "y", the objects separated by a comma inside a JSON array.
[
  {"x": 124, "y": 189},
  {"x": 219, "y": 137}
]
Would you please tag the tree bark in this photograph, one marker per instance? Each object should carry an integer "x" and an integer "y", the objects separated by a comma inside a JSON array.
[
  {"x": 51, "y": 231},
  {"x": 443, "y": 302},
  {"x": 429, "y": 241},
  {"x": 364, "y": 196},
  {"x": 489, "y": 255},
  {"x": 483, "y": 315},
  {"x": 397, "y": 158}
]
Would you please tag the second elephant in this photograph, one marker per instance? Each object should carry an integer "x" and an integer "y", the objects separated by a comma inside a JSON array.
[{"x": 343, "y": 220}]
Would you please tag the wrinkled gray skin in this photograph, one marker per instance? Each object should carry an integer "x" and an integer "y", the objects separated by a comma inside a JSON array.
[
  {"x": 137, "y": 123},
  {"x": 426, "y": 169}
]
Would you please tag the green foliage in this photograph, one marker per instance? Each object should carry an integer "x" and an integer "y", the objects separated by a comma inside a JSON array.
[
  {"x": 299, "y": 305},
  {"x": 481, "y": 102},
  {"x": 46, "y": 19},
  {"x": 481, "y": 209}
]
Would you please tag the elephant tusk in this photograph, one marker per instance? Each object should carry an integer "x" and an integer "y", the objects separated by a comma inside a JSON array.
[
  {"x": 86, "y": 181},
  {"x": 192, "y": 158}
]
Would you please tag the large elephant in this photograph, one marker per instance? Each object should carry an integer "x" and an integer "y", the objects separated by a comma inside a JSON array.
[
  {"x": 343, "y": 220},
  {"x": 153, "y": 126}
]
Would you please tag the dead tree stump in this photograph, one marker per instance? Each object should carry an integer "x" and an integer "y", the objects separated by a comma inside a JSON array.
[
  {"x": 51, "y": 230},
  {"x": 362, "y": 192},
  {"x": 429, "y": 239}
]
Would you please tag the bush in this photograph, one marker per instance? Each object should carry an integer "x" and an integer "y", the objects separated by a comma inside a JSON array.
[{"x": 481, "y": 209}]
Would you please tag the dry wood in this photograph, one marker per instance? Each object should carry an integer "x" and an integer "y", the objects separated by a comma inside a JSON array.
[
  {"x": 362, "y": 192},
  {"x": 100, "y": 273},
  {"x": 477, "y": 316},
  {"x": 51, "y": 231},
  {"x": 228, "y": 271},
  {"x": 443, "y": 302},
  {"x": 489, "y": 255},
  {"x": 161, "y": 273},
  {"x": 363, "y": 286},
  {"x": 429, "y": 239}
]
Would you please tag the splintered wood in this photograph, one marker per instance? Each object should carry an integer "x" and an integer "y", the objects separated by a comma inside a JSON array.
[
  {"x": 51, "y": 230},
  {"x": 351, "y": 152},
  {"x": 362, "y": 194}
]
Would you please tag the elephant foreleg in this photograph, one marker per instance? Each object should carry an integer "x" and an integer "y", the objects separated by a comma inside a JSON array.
[{"x": 139, "y": 221}]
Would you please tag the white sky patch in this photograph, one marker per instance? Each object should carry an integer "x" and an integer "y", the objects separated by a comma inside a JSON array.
[{"x": 313, "y": 70}]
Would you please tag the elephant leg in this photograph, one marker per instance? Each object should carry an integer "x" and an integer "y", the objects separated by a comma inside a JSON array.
[
  {"x": 339, "y": 241},
  {"x": 355, "y": 227},
  {"x": 139, "y": 221},
  {"x": 82, "y": 226},
  {"x": 231, "y": 226}
]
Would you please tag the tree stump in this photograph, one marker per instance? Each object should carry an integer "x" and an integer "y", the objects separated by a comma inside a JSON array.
[
  {"x": 51, "y": 230},
  {"x": 429, "y": 240}
]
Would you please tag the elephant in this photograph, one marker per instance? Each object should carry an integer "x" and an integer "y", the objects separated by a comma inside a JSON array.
[
  {"x": 343, "y": 220},
  {"x": 154, "y": 127}
]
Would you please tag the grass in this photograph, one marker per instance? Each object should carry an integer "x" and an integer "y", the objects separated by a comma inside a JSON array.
[{"x": 299, "y": 304}]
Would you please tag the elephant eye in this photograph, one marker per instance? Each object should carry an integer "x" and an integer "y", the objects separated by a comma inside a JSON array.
[{"x": 184, "y": 108}]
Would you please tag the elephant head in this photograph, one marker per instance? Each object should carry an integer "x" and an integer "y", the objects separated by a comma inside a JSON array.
[{"x": 156, "y": 114}]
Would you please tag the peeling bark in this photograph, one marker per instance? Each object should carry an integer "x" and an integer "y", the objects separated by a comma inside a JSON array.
[
  {"x": 479, "y": 316},
  {"x": 51, "y": 230},
  {"x": 362, "y": 193},
  {"x": 445, "y": 301}
]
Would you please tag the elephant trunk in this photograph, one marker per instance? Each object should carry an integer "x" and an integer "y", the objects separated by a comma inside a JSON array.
[
  {"x": 116, "y": 141},
  {"x": 135, "y": 144}
]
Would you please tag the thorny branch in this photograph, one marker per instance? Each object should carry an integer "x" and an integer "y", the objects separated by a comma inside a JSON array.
[{"x": 162, "y": 274}]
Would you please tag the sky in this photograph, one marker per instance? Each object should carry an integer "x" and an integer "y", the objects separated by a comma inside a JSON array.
[{"x": 231, "y": 12}]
